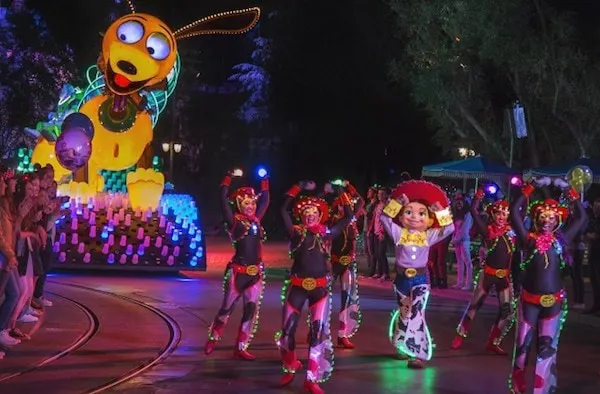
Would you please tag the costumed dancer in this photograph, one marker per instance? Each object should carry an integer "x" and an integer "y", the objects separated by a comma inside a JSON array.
[
  {"x": 542, "y": 304},
  {"x": 463, "y": 220},
  {"x": 310, "y": 280},
  {"x": 244, "y": 275},
  {"x": 499, "y": 238},
  {"x": 423, "y": 222},
  {"x": 343, "y": 258}
]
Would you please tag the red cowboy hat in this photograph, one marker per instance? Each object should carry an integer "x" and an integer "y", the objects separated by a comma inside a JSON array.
[
  {"x": 425, "y": 192},
  {"x": 500, "y": 205},
  {"x": 311, "y": 201},
  {"x": 538, "y": 207},
  {"x": 242, "y": 194}
]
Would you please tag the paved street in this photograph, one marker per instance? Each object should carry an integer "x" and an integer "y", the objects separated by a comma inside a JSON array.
[{"x": 134, "y": 333}]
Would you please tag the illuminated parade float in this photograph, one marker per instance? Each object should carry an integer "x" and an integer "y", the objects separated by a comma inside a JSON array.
[{"x": 99, "y": 141}]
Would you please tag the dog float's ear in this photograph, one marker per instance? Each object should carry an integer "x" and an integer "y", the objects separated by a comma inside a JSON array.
[
  {"x": 230, "y": 22},
  {"x": 131, "y": 6}
]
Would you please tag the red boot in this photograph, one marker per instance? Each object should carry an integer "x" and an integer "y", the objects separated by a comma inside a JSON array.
[
  {"x": 518, "y": 381},
  {"x": 491, "y": 346},
  {"x": 312, "y": 387},
  {"x": 210, "y": 346},
  {"x": 538, "y": 382},
  {"x": 243, "y": 355},
  {"x": 291, "y": 365},
  {"x": 461, "y": 334},
  {"x": 345, "y": 343}
]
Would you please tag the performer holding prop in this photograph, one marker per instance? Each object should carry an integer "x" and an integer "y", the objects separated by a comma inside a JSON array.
[
  {"x": 542, "y": 303},
  {"x": 343, "y": 258},
  {"x": 500, "y": 240},
  {"x": 244, "y": 275},
  {"x": 310, "y": 281},
  {"x": 424, "y": 218}
]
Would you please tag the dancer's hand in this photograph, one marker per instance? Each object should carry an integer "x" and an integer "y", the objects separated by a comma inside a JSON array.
[
  {"x": 543, "y": 181},
  {"x": 403, "y": 200},
  {"x": 436, "y": 207},
  {"x": 308, "y": 185},
  {"x": 561, "y": 183}
]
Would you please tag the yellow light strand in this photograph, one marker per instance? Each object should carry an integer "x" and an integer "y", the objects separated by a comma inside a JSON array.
[
  {"x": 185, "y": 31},
  {"x": 131, "y": 6}
]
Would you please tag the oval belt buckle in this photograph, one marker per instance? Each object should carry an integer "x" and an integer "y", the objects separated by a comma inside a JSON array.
[
  {"x": 500, "y": 274},
  {"x": 345, "y": 260},
  {"x": 547, "y": 300},
  {"x": 309, "y": 284},
  {"x": 252, "y": 270},
  {"x": 410, "y": 272}
]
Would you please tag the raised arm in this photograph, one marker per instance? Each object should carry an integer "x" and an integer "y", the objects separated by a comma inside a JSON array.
[
  {"x": 285, "y": 208},
  {"x": 478, "y": 222},
  {"x": 336, "y": 230},
  {"x": 264, "y": 199},
  {"x": 444, "y": 218},
  {"x": 518, "y": 212},
  {"x": 225, "y": 206},
  {"x": 360, "y": 202},
  {"x": 575, "y": 225}
]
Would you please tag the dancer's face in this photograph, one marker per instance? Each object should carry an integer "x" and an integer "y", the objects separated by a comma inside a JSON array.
[
  {"x": 547, "y": 221},
  {"x": 415, "y": 216},
  {"x": 311, "y": 216},
  {"x": 459, "y": 204},
  {"x": 500, "y": 217},
  {"x": 32, "y": 188},
  {"x": 248, "y": 207}
]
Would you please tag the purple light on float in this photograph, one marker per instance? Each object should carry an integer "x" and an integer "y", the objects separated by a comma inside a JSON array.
[
  {"x": 169, "y": 228},
  {"x": 87, "y": 258},
  {"x": 56, "y": 247},
  {"x": 143, "y": 218},
  {"x": 122, "y": 213},
  {"x": 74, "y": 239},
  {"x": 140, "y": 250},
  {"x": 129, "y": 250},
  {"x": 111, "y": 225},
  {"x": 147, "y": 241},
  {"x": 176, "y": 251},
  {"x": 105, "y": 248},
  {"x": 111, "y": 258},
  {"x": 123, "y": 240},
  {"x": 123, "y": 259},
  {"x": 516, "y": 181},
  {"x": 171, "y": 260},
  {"x": 86, "y": 213},
  {"x": 149, "y": 213},
  {"x": 81, "y": 248},
  {"x": 62, "y": 257},
  {"x": 111, "y": 239},
  {"x": 92, "y": 231},
  {"x": 162, "y": 221},
  {"x": 165, "y": 251},
  {"x": 137, "y": 213},
  {"x": 128, "y": 220},
  {"x": 140, "y": 233},
  {"x": 74, "y": 224},
  {"x": 109, "y": 213},
  {"x": 135, "y": 259},
  {"x": 158, "y": 242},
  {"x": 92, "y": 219}
]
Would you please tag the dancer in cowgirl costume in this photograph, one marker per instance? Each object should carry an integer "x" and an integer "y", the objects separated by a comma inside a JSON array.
[
  {"x": 542, "y": 304},
  {"x": 499, "y": 239},
  {"x": 423, "y": 220},
  {"x": 310, "y": 281},
  {"x": 343, "y": 258},
  {"x": 244, "y": 276}
]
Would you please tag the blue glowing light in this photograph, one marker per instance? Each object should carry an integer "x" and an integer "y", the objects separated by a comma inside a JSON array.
[
  {"x": 193, "y": 245},
  {"x": 104, "y": 234},
  {"x": 254, "y": 229},
  {"x": 194, "y": 261},
  {"x": 175, "y": 236},
  {"x": 492, "y": 189},
  {"x": 262, "y": 172},
  {"x": 200, "y": 252}
]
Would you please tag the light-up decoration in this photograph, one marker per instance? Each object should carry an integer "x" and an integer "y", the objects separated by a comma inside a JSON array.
[
  {"x": 491, "y": 189},
  {"x": 262, "y": 172},
  {"x": 516, "y": 181},
  {"x": 149, "y": 186},
  {"x": 142, "y": 242}
]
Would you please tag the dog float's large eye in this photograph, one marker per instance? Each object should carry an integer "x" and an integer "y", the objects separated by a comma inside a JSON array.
[
  {"x": 130, "y": 32},
  {"x": 158, "y": 46}
]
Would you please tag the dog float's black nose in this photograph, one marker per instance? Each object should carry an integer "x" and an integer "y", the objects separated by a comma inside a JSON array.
[{"x": 127, "y": 67}]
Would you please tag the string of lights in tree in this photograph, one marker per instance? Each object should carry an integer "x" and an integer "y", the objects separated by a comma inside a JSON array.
[{"x": 24, "y": 160}]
